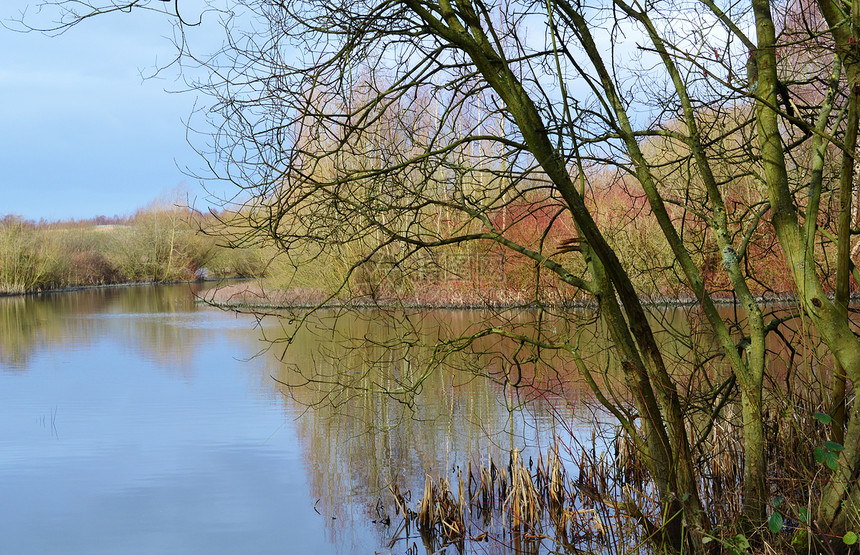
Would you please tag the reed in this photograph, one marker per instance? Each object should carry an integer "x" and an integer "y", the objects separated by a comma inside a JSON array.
[
  {"x": 522, "y": 506},
  {"x": 599, "y": 497}
]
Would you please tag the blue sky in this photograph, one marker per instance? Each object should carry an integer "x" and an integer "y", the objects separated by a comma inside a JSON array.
[{"x": 82, "y": 133}]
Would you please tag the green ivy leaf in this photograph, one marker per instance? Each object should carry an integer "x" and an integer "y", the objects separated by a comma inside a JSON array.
[
  {"x": 803, "y": 514},
  {"x": 850, "y": 538},
  {"x": 823, "y": 418},
  {"x": 833, "y": 446},
  {"x": 775, "y": 522},
  {"x": 820, "y": 454}
]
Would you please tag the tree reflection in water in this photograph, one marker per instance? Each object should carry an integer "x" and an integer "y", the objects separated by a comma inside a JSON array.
[
  {"x": 384, "y": 408},
  {"x": 378, "y": 398}
]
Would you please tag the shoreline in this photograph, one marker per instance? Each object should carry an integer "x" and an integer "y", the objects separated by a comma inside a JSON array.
[
  {"x": 256, "y": 298},
  {"x": 74, "y": 288}
]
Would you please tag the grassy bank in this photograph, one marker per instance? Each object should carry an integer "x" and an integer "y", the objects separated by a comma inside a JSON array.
[{"x": 155, "y": 245}]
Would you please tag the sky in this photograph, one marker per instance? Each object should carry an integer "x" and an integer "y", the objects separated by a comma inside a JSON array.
[{"x": 83, "y": 134}]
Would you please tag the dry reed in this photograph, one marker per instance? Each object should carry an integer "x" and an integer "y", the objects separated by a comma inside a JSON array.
[
  {"x": 600, "y": 498},
  {"x": 522, "y": 507}
]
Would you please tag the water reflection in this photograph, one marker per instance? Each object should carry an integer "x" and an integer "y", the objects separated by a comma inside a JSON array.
[
  {"x": 138, "y": 314},
  {"x": 358, "y": 372},
  {"x": 140, "y": 432},
  {"x": 135, "y": 419},
  {"x": 134, "y": 414},
  {"x": 384, "y": 408}
]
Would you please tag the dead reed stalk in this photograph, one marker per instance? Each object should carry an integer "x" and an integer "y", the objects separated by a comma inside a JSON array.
[{"x": 524, "y": 503}]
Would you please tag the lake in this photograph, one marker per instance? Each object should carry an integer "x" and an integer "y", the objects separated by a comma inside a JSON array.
[{"x": 137, "y": 420}]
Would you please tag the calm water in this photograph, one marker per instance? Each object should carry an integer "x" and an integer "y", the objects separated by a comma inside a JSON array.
[{"x": 136, "y": 421}]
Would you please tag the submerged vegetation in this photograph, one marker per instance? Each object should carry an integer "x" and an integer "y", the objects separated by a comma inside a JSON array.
[{"x": 158, "y": 244}]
